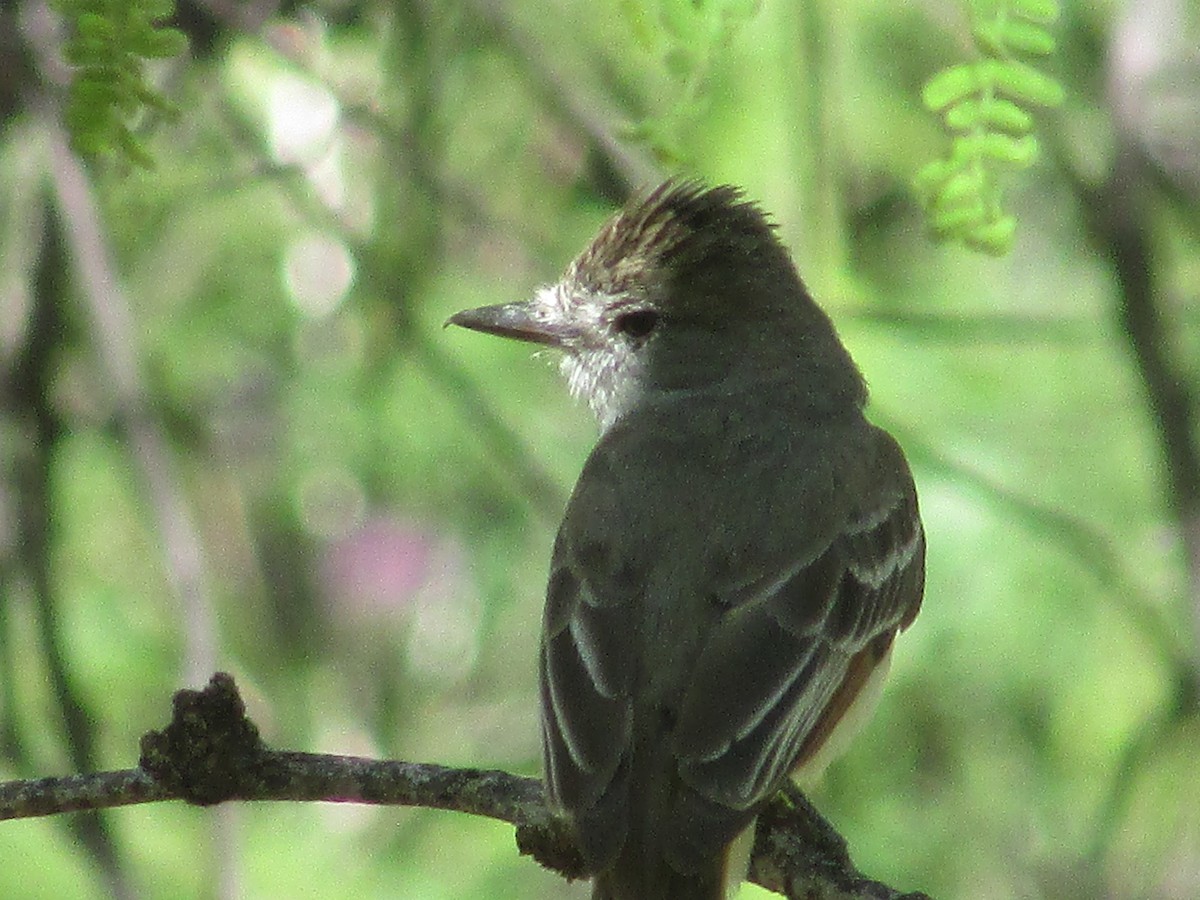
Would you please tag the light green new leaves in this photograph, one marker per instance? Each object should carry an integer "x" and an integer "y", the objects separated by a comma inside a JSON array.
[
  {"x": 109, "y": 44},
  {"x": 685, "y": 37},
  {"x": 984, "y": 105}
]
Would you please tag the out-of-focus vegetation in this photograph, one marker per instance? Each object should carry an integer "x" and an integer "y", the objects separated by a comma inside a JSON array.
[
  {"x": 107, "y": 48},
  {"x": 985, "y": 104},
  {"x": 235, "y": 435}
]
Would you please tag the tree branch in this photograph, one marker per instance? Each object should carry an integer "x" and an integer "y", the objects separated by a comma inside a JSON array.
[
  {"x": 212, "y": 753},
  {"x": 1146, "y": 44}
]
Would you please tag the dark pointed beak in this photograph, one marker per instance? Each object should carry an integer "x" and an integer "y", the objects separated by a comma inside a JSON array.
[{"x": 514, "y": 320}]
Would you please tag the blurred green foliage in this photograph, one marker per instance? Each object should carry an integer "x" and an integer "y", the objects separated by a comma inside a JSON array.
[
  {"x": 984, "y": 105},
  {"x": 109, "y": 45},
  {"x": 682, "y": 40},
  {"x": 376, "y": 497}
]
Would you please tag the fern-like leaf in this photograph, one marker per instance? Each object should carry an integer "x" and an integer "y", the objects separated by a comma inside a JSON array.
[
  {"x": 684, "y": 38},
  {"x": 109, "y": 43},
  {"x": 984, "y": 104}
]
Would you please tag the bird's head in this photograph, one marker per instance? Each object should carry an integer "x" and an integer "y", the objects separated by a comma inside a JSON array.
[{"x": 685, "y": 288}]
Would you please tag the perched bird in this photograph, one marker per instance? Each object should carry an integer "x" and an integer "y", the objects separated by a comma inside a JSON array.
[{"x": 739, "y": 552}]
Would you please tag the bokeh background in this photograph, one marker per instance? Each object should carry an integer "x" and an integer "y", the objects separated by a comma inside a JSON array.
[{"x": 234, "y": 434}]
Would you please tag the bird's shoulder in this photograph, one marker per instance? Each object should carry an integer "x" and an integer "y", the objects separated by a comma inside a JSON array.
[{"x": 750, "y": 469}]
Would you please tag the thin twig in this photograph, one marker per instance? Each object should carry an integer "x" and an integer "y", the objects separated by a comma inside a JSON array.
[
  {"x": 116, "y": 344},
  {"x": 589, "y": 112},
  {"x": 1120, "y": 227},
  {"x": 27, "y": 398}
]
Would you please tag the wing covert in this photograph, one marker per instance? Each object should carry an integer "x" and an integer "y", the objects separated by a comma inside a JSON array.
[{"x": 778, "y": 660}]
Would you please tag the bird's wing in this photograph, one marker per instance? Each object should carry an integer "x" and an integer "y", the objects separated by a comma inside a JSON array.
[
  {"x": 587, "y": 667},
  {"x": 771, "y": 672},
  {"x": 797, "y": 645}
]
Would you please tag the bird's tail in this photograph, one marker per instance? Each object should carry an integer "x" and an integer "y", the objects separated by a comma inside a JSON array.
[
  {"x": 635, "y": 877},
  {"x": 665, "y": 885}
]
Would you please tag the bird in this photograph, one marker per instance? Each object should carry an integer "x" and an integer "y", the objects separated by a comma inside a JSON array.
[{"x": 737, "y": 556}]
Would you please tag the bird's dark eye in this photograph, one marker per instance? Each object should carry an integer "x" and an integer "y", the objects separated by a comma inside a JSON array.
[{"x": 637, "y": 323}]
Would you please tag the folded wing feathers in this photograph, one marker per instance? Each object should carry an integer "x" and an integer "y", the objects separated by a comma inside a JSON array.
[{"x": 733, "y": 750}]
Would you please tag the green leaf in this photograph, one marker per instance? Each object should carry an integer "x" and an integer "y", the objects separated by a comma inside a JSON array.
[
  {"x": 162, "y": 43},
  {"x": 1026, "y": 37},
  {"x": 994, "y": 237},
  {"x": 958, "y": 218},
  {"x": 89, "y": 143},
  {"x": 1016, "y": 151},
  {"x": 105, "y": 74},
  {"x": 994, "y": 113},
  {"x": 110, "y": 42},
  {"x": 1024, "y": 82},
  {"x": 157, "y": 9},
  {"x": 133, "y": 149},
  {"x": 92, "y": 27},
  {"x": 80, "y": 53},
  {"x": 929, "y": 180},
  {"x": 1005, "y": 36},
  {"x": 950, "y": 85},
  {"x": 988, "y": 37},
  {"x": 96, "y": 94},
  {"x": 967, "y": 186}
]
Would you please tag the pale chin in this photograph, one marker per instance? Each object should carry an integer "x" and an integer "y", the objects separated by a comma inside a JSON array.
[{"x": 592, "y": 379}]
